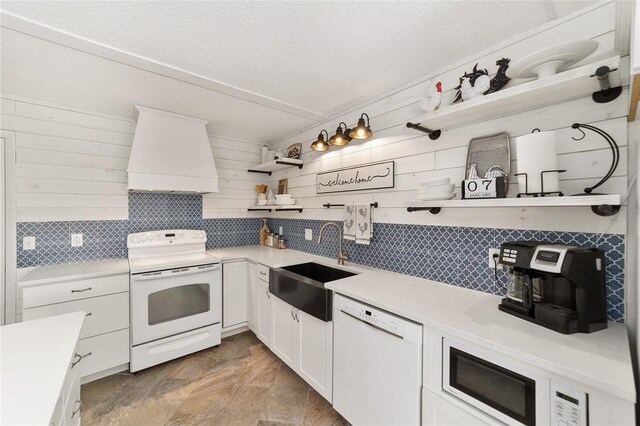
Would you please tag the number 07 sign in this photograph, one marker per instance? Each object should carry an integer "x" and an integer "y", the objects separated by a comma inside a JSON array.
[{"x": 483, "y": 188}]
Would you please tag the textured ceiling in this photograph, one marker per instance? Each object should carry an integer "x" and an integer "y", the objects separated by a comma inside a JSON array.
[{"x": 322, "y": 56}]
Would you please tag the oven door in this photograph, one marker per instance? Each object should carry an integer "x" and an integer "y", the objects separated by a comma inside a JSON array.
[
  {"x": 494, "y": 386},
  {"x": 170, "y": 302}
]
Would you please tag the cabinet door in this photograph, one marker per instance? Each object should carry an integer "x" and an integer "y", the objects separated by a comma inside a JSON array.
[
  {"x": 265, "y": 310},
  {"x": 314, "y": 339},
  {"x": 234, "y": 293},
  {"x": 284, "y": 324},
  {"x": 252, "y": 298},
  {"x": 437, "y": 411}
]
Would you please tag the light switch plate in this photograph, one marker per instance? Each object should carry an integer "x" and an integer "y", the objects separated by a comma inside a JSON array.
[
  {"x": 308, "y": 234},
  {"x": 76, "y": 240},
  {"x": 28, "y": 243}
]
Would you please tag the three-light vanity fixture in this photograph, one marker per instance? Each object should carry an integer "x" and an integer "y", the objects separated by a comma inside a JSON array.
[{"x": 343, "y": 135}]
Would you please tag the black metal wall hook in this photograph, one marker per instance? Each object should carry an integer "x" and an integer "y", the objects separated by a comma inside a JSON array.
[
  {"x": 577, "y": 126},
  {"x": 614, "y": 149}
]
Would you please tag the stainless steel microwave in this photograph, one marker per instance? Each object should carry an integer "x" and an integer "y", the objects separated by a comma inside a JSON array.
[{"x": 507, "y": 392}]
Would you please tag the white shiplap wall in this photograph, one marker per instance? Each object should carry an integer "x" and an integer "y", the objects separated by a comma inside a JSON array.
[
  {"x": 418, "y": 158},
  {"x": 71, "y": 165}
]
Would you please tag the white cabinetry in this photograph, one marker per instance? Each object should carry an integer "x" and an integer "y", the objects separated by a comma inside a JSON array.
[
  {"x": 315, "y": 353},
  {"x": 234, "y": 293},
  {"x": 305, "y": 344},
  {"x": 104, "y": 341},
  {"x": 284, "y": 331},
  {"x": 260, "y": 302},
  {"x": 437, "y": 411}
]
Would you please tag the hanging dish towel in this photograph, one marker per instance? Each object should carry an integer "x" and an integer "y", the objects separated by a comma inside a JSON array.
[
  {"x": 349, "y": 221},
  {"x": 364, "y": 224}
]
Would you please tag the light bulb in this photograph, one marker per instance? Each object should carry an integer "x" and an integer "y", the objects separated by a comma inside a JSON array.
[{"x": 360, "y": 132}]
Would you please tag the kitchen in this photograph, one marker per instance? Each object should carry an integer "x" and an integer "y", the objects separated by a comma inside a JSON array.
[{"x": 155, "y": 170}]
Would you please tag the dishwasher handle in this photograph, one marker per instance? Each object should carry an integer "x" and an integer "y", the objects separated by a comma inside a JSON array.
[{"x": 372, "y": 325}]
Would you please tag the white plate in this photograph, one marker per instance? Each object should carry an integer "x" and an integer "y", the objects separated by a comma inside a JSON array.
[
  {"x": 549, "y": 61},
  {"x": 437, "y": 197},
  {"x": 283, "y": 196},
  {"x": 427, "y": 190},
  {"x": 284, "y": 202},
  {"x": 435, "y": 182}
]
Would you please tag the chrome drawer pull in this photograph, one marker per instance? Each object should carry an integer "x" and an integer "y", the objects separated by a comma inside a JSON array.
[
  {"x": 88, "y": 314},
  {"x": 81, "y": 290},
  {"x": 263, "y": 273},
  {"x": 79, "y": 406},
  {"x": 268, "y": 295},
  {"x": 292, "y": 314},
  {"x": 297, "y": 318},
  {"x": 80, "y": 358}
]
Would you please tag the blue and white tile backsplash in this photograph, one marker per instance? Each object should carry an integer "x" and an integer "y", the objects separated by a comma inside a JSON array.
[
  {"x": 453, "y": 255},
  {"x": 107, "y": 239}
]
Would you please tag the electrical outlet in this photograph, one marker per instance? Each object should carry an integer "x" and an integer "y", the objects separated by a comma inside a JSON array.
[
  {"x": 492, "y": 261},
  {"x": 76, "y": 240},
  {"x": 308, "y": 234},
  {"x": 28, "y": 243}
]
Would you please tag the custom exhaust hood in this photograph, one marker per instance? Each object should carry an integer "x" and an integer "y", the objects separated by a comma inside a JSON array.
[{"x": 170, "y": 153}]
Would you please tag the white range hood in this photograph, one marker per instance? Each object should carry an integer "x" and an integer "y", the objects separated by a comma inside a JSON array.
[{"x": 171, "y": 153}]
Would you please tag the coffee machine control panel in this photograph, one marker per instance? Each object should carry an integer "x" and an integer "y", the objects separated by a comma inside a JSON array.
[
  {"x": 516, "y": 254},
  {"x": 549, "y": 258}
]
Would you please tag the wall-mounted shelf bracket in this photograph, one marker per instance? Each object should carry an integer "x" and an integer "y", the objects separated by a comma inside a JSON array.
[
  {"x": 259, "y": 171},
  {"x": 329, "y": 205},
  {"x": 259, "y": 209},
  {"x": 606, "y": 92},
  {"x": 432, "y": 210},
  {"x": 289, "y": 163},
  {"x": 433, "y": 134}
]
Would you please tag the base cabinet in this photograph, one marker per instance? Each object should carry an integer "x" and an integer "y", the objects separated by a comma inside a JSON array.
[
  {"x": 437, "y": 411},
  {"x": 314, "y": 352},
  {"x": 235, "y": 277},
  {"x": 284, "y": 331},
  {"x": 305, "y": 344},
  {"x": 265, "y": 308},
  {"x": 260, "y": 303}
]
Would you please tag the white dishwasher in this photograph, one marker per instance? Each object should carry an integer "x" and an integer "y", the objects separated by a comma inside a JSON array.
[{"x": 377, "y": 365}]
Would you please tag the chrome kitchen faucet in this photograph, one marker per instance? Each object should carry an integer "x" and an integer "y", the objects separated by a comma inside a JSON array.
[{"x": 341, "y": 256}]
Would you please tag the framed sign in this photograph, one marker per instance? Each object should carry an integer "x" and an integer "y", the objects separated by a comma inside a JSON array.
[{"x": 358, "y": 178}]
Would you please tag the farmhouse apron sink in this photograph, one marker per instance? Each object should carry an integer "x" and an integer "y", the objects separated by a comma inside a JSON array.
[{"x": 302, "y": 286}]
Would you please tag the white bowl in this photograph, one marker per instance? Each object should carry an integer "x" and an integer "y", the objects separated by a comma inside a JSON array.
[
  {"x": 284, "y": 202},
  {"x": 447, "y": 187},
  {"x": 437, "y": 197},
  {"x": 283, "y": 196},
  {"x": 435, "y": 182}
]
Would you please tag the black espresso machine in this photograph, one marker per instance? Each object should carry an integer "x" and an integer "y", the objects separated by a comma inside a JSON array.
[{"x": 556, "y": 286}]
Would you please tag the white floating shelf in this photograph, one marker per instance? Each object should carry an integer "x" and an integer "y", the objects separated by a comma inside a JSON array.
[
  {"x": 275, "y": 165},
  {"x": 603, "y": 205},
  {"x": 278, "y": 208},
  {"x": 565, "y": 86}
]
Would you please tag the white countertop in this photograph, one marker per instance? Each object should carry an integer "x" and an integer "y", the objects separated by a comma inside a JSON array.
[
  {"x": 50, "y": 274},
  {"x": 35, "y": 359},
  {"x": 474, "y": 316}
]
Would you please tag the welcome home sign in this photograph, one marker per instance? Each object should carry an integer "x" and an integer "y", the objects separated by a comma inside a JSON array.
[{"x": 358, "y": 178}]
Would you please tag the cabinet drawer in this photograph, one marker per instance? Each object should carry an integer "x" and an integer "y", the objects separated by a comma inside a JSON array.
[
  {"x": 107, "y": 351},
  {"x": 104, "y": 313},
  {"x": 73, "y": 290},
  {"x": 262, "y": 272}
]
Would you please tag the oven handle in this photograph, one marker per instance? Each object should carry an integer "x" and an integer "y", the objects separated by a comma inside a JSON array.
[{"x": 175, "y": 272}]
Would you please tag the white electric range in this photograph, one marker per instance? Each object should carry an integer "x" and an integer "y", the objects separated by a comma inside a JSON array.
[{"x": 176, "y": 296}]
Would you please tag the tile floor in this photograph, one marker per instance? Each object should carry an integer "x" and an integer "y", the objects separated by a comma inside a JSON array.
[{"x": 241, "y": 382}]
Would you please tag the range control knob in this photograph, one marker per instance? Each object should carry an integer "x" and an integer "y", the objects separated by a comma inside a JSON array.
[
  {"x": 143, "y": 238},
  {"x": 150, "y": 237},
  {"x": 194, "y": 235},
  {"x": 134, "y": 239}
]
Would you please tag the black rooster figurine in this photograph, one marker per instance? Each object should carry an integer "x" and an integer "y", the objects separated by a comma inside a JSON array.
[{"x": 500, "y": 79}]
